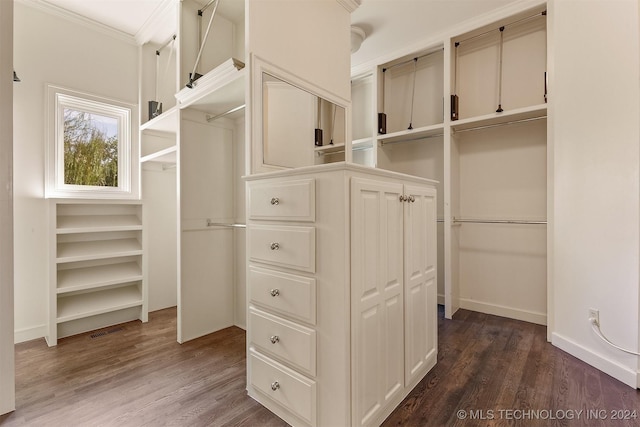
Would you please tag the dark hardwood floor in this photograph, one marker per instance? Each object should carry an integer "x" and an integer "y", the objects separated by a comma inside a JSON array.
[{"x": 500, "y": 372}]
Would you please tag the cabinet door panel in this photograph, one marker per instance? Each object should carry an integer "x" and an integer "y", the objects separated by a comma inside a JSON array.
[
  {"x": 420, "y": 253},
  {"x": 377, "y": 296}
]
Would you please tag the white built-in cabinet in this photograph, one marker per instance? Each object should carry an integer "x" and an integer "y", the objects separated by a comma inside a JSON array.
[
  {"x": 491, "y": 165},
  {"x": 97, "y": 266},
  {"x": 192, "y": 157},
  {"x": 341, "y": 291}
]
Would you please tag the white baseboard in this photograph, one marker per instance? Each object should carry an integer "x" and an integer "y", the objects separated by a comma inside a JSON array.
[
  {"x": 622, "y": 373},
  {"x": 28, "y": 334},
  {"x": 503, "y": 311},
  {"x": 440, "y": 299}
]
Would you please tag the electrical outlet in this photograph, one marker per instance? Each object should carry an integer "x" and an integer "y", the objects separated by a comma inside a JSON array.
[{"x": 595, "y": 315}]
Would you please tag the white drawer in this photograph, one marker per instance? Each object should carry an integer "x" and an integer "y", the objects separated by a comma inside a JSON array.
[
  {"x": 293, "y": 200},
  {"x": 285, "y": 246},
  {"x": 283, "y": 293},
  {"x": 286, "y": 340},
  {"x": 295, "y": 392}
]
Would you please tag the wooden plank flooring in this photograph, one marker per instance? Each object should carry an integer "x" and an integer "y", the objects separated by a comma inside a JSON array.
[{"x": 137, "y": 375}]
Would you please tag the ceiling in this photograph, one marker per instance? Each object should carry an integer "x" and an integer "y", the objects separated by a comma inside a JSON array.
[{"x": 388, "y": 24}]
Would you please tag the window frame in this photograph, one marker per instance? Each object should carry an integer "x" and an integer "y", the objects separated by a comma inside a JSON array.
[{"x": 60, "y": 99}]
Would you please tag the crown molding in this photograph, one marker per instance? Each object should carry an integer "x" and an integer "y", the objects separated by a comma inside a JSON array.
[
  {"x": 350, "y": 5},
  {"x": 54, "y": 10},
  {"x": 160, "y": 18}
]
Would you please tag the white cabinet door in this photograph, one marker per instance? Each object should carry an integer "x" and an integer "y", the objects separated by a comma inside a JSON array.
[
  {"x": 377, "y": 296},
  {"x": 420, "y": 254}
]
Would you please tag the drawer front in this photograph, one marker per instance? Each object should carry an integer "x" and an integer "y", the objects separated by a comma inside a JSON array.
[
  {"x": 283, "y": 385},
  {"x": 283, "y": 293},
  {"x": 286, "y": 340},
  {"x": 290, "y": 247},
  {"x": 293, "y": 200}
]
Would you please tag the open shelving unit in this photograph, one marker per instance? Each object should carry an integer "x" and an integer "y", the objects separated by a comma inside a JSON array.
[
  {"x": 489, "y": 157},
  {"x": 97, "y": 272}
]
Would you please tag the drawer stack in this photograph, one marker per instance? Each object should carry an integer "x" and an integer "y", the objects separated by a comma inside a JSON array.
[{"x": 281, "y": 246}]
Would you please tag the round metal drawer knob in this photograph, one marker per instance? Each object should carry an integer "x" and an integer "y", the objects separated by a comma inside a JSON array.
[
  {"x": 275, "y": 201},
  {"x": 275, "y": 385},
  {"x": 274, "y": 339},
  {"x": 274, "y": 292},
  {"x": 275, "y": 246}
]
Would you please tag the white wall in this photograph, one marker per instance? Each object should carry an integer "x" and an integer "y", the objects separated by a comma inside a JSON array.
[
  {"x": 49, "y": 49},
  {"x": 594, "y": 133},
  {"x": 7, "y": 369}
]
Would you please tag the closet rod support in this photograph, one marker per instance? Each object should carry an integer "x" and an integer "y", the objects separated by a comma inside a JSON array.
[
  {"x": 414, "y": 59},
  {"x": 512, "y": 122},
  {"x": 501, "y": 28}
]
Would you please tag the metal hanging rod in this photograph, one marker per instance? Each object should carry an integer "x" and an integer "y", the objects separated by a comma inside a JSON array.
[
  {"x": 413, "y": 138},
  {"x": 205, "y": 7},
  {"x": 543, "y": 13},
  {"x": 165, "y": 44},
  {"x": 513, "y": 122},
  {"x": 224, "y": 224},
  {"x": 415, "y": 58},
  {"x": 226, "y": 113},
  {"x": 498, "y": 221},
  {"x": 166, "y": 167}
]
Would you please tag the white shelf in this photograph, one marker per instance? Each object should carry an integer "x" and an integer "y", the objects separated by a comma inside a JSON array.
[
  {"x": 167, "y": 122},
  {"x": 329, "y": 148},
  {"x": 413, "y": 134},
  {"x": 69, "y": 224},
  {"x": 166, "y": 156},
  {"x": 507, "y": 116},
  {"x": 218, "y": 91},
  {"x": 97, "y": 249},
  {"x": 77, "y": 279},
  {"x": 75, "y": 307}
]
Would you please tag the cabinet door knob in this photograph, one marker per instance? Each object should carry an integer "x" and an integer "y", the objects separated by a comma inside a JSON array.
[
  {"x": 402, "y": 198},
  {"x": 275, "y": 201},
  {"x": 412, "y": 199},
  {"x": 274, "y": 339},
  {"x": 275, "y": 246},
  {"x": 275, "y": 292},
  {"x": 275, "y": 385}
]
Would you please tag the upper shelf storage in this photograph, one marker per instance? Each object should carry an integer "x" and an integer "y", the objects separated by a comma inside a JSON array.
[
  {"x": 411, "y": 93},
  {"x": 499, "y": 71},
  {"x": 218, "y": 91}
]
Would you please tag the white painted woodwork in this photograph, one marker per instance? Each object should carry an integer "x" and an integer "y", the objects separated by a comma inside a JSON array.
[
  {"x": 354, "y": 300},
  {"x": 487, "y": 167},
  {"x": 97, "y": 267},
  {"x": 295, "y": 296},
  {"x": 420, "y": 263},
  {"x": 292, "y": 201},
  {"x": 7, "y": 362},
  {"x": 283, "y": 246},
  {"x": 377, "y": 290},
  {"x": 285, "y": 340},
  {"x": 285, "y": 386}
]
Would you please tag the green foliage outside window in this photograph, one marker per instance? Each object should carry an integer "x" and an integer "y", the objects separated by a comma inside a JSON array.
[{"x": 90, "y": 149}]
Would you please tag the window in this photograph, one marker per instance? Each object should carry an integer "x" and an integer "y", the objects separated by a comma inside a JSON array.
[{"x": 90, "y": 148}]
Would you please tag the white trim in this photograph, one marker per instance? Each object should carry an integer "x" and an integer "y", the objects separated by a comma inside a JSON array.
[
  {"x": 128, "y": 165},
  {"x": 440, "y": 299},
  {"x": 31, "y": 333},
  {"x": 622, "y": 373},
  {"x": 157, "y": 19},
  {"x": 60, "y": 12},
  {"x": 504, "y": 311}
]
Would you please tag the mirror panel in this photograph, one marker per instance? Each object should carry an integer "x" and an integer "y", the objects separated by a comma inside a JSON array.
[{"x": 295, "y": 122}]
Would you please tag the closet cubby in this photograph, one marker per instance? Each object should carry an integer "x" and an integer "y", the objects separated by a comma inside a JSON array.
[
  {"x": 501, "y": 66},
  {"x": 97, "y": 255}
]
